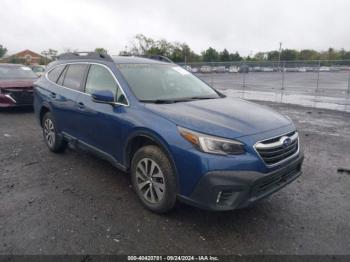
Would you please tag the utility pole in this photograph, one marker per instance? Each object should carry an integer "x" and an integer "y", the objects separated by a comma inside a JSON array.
[
  {"x": 318, "y": 75},
  {"x": 349, "y": 84},
  {"x": 279, "y": 57}
]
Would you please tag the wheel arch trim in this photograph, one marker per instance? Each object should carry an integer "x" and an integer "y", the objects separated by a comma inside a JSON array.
[
  {"x": 154, "y": 137},
  {"x": 42, "y": 107}
]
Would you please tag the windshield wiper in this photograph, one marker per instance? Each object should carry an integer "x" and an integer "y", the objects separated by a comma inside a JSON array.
[
  {"x": 201, "y": 97},
  {"x": 159, "y": 101},
  {"x": 176, "y": 100}
]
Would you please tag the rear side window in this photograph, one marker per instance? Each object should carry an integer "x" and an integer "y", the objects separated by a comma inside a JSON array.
[
  {"x": 55, "y": 73},
  {"x": 61, "y": 78},
  {"x": 74, "y": 76}
]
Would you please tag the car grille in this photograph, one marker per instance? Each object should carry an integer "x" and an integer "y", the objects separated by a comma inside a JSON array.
[
  {"x": 21, "y": 97},
  {"x": 278, "y": 149},
  {"x": 270, "y": 183}
]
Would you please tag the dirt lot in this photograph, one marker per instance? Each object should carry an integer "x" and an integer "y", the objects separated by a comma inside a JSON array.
[{"x": 74, "y": 203}]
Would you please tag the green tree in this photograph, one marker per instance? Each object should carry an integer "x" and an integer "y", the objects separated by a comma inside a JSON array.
[
  {"x": 345, "y": 55},
  {"x": 333, "y": 54},
  {"x": 308, "y": 54},
  {"x": 49, "y": 54},
  {"x": 248, "y": 58},
  {"x": 177, "y": 52},
  {"x": 235, "y": 57},
  {"x": 181, "y": 52},
  {"x": 165, "y": 47},
  {"x": 142, "y": 45},
  {"x": 187, "y": 55},
  {"x": 273, "y": 55},
  {"x": 3, "y": 51},
  {"x": 100, "y": 50},
  {"x": 52, "y": 53},
  {"x": 289, "y": 54},
  {"x": 210, "y": 55},
  {"x": 224, "y": 56},
  {"x": 330, "y": 54},
  {"x": 260, "y": 56}
]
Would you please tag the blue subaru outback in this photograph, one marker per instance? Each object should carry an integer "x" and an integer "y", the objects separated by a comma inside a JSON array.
[{"x": 179, "y": 138}]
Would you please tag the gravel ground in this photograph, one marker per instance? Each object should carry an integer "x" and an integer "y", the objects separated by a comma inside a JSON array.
[{"x": 74, "y": 203}]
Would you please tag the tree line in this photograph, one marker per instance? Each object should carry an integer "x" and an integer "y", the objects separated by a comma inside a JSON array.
[
  {"x": 182, "y": 52},
  {"x": 176, "y": 51}
]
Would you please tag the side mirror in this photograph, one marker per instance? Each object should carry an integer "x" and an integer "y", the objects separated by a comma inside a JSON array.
[{"x": 103, "y": 96}]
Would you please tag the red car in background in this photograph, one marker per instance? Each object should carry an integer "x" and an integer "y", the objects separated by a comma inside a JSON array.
[{"x": 16, "y": 85}]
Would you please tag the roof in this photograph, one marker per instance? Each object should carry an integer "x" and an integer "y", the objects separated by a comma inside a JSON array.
[
  {"x": 135, "y": 60},
  {"x": 21, "y": 55},
  {"x": 27, "y": 51},
  {"x": 93, "y": 56}
]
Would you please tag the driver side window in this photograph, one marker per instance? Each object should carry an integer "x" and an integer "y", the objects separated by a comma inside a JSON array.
[{"x": 99, "y": 78}]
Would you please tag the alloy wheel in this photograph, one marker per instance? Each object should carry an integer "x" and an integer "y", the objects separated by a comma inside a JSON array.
[
  {"x": 150, "y": 180},
  {"x": 49, "y": 131}
]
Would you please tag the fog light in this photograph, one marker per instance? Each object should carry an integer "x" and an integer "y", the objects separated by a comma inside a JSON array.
[
  {"x": 226, "y": 197},
  {"x": 218, "y": 197}
]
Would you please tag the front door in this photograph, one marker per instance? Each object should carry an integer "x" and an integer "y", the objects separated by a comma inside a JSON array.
[{"x": 101, "y": 122}]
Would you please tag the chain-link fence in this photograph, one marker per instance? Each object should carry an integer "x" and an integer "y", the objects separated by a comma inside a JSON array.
[{"x": 312, "y": 83}]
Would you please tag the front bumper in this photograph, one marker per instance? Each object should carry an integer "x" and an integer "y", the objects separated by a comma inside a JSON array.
[
  {"x": 228, "y": 190},
  {"x": 16, "y": 98}
]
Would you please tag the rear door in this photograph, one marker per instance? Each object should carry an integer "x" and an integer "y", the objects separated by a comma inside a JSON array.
[{"x": 65, "y": 98}]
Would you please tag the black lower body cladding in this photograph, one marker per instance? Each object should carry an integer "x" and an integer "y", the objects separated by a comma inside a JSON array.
[{"x": 228, "y": 190}]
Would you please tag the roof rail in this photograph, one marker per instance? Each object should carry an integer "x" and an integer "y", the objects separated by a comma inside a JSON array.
[
  {"x": 85, "y": 55},
  {"x": 158, "y": 57}
]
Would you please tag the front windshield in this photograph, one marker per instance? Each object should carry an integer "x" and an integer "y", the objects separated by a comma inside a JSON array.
[
  {"x": 151, "y": 82},
  {"x": 16, "y": 72}
]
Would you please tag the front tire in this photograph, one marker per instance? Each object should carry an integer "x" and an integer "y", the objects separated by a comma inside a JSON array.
[
  {"x": 53, "y": 140},
  {"x": 154, "y": 179}
]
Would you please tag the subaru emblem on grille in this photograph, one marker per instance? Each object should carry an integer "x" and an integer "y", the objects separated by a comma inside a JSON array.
[{"x": 286, "y": 141}]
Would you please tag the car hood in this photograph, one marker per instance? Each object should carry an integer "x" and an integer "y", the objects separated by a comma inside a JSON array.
[
  {"x": 226, "y": 117},
  {"x": 17, "y": 83}
]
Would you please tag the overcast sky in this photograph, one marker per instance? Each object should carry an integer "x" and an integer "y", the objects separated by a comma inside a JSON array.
[{"x": 243, "y": 26}]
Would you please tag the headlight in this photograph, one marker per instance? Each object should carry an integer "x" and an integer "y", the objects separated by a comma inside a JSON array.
[{"x": 211, "y": 144}]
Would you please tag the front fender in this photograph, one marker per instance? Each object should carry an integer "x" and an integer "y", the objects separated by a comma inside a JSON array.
[
  {"x": 156, "y": 138},
  {"x": 148, "y": 133}
]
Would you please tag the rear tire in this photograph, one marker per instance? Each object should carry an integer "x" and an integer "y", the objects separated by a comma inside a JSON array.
[
  {"x": 154, "y": 179},
  {"x": 53, "y": 140}
]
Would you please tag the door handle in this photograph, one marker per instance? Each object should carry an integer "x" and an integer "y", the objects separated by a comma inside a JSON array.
[
  {"x": 53, "y": 95},
  {"x": 81, "y": 105}
]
